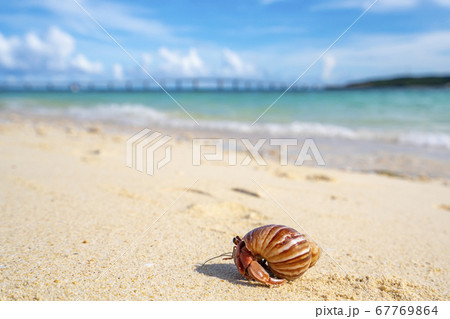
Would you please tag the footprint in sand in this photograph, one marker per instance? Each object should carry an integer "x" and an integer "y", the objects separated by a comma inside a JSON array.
[
  {"x": 29, "y": 184},
  {"x": 126, "y": 193},
  {"x": 94, "y": 152},
  {"x": 246, "y": 192},
  {"x": 293, "y": 174},
  {"x": 190, "y": 190},
  {"x": 226, "y": 210},
  {"x": 289, "y": 174},
  {"x": 444, "y": 207},
  {"x": 40, "y": 131},
  {"x": 319, "y": 178},
  {"x": 94, "y": 130},
  {"x": 91, "y": 155},
  {"x": 198, "y": 191}
]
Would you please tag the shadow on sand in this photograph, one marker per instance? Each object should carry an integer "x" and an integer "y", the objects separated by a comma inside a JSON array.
[{"x": 226, "y": 272}]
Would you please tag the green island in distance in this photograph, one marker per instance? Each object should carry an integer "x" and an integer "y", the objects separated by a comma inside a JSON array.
[{"x": 404, "y": 82}]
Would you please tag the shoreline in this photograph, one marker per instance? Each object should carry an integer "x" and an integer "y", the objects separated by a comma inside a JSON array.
[
  {"x": 367, "y": 156},
  {"x": 71, "y": 208}
]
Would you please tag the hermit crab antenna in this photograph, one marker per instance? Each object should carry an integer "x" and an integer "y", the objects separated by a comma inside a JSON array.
[{"x": 221, "y": 255}]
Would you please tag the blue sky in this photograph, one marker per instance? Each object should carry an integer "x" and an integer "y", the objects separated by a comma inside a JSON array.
[{"x": 55, "y": 40}]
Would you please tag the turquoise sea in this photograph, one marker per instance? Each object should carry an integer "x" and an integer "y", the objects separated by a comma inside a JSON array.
[{"x": 418, "y": 117}]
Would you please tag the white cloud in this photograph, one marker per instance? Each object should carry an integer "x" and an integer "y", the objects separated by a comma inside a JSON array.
[
  {"x": 179, "y": 65},
  {"x": 444, "y": 3},
  {"x": 235, "y": 66},
  {"x": 361, "y": 56},
  {"x": 329, "y": 62},
  {"x": 60, "y": 42},
  {"x": 266, "y": 30},
  {"x": 172, "y": 63},
  {"x": 53, "y": 52},
  {"x": 127, "y": 17},
  {"x": 35, "y": 43},
  {"x": 265, "y": 2},
  {"x": 117, "y": 71},
  {"x": 7, "y": 48},
  {"x": 380, "y": 6},
  {"x": 81, "y": 63},
  {"x": 388, "y": 5},
  {"x": 381, "y": 55},
  {"x": 146, "y": 60}
]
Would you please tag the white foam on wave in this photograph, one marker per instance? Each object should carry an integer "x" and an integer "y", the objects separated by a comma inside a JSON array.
[
  {"x": 132, "y": 114},
  {"x": 144, "y": 116},
  {"x": 425, "y": 139}
]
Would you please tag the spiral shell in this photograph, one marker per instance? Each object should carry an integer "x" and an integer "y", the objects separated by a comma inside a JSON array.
[{"x": 287, "y": 252}]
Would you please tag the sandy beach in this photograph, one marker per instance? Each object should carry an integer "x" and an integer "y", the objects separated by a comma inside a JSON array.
[{"x": 77, "y": 224}]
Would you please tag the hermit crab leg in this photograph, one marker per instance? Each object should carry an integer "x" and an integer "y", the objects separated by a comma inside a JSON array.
[{"x": 238, "y": 258}]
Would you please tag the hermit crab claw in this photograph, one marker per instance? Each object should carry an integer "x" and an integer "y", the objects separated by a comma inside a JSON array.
[
  {"x": 257, "y": 272},
  {"x": 249, "y": 266}
]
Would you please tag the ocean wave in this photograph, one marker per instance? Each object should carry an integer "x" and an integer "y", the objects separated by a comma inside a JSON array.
[{"x": 145, "y": 116}]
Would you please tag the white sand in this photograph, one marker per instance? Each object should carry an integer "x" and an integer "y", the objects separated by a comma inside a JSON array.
[{"x": 76, "y": 223}]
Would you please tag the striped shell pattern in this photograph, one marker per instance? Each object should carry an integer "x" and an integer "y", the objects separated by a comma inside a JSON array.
[{"x": 288, "y": 253}]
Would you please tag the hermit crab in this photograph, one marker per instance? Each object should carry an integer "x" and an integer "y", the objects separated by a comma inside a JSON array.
[{"x": 275, "y": 249}]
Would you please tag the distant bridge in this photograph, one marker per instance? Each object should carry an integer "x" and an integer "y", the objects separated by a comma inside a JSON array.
[{"x": 147, "y": 85}]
